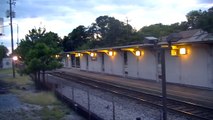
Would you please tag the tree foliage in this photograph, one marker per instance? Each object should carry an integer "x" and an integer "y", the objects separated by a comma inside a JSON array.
[
  {"x": 75, "y": 39},
  {"x": 3, "y": 52},
  {"x": 201, "y": 19},
  {"x": 38, "y": 51},
  {"x": 159, "y": 30},
  {"x": 107, "y": 31}
]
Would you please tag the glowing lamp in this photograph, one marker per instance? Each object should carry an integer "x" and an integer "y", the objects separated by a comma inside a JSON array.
[
  {"x": 68, "y": 55},
  {"x": 138, "y": 53},
  {"x": 15, "y": 58},
  {"x": 57, "y": 56},
  {"x": 92, "y": 54},
  {"x": 78, "y": 55},
  {"x": 182, "y": 51},
  {"x": 111, "y": 53}
]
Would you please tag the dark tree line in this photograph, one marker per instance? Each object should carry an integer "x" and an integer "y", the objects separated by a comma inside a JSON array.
[{"x": 107, "y": 31}]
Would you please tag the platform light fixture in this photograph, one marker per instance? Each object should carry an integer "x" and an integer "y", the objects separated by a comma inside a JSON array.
[
  {"x": 93, "y": 54},
  {"x": 57, "y": 56},
  {"x": 111, "y": 53},
  {"x": 108, "y": 52},
  {"x": 68, "y": 55},
  {"x": 178, "y": 50},
  {"x": 78, "y": 54},
  {"x": 182, "y": 51},
  {"x": 137, "y": 53}
]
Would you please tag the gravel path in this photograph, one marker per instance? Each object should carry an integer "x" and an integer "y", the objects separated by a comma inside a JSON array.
[
  {"x": 9, "y": 102},
  {"x": 11, "y": 108}
]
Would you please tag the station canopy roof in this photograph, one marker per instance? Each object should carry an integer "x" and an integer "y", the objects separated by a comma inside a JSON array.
[{"x": 183, "y": 37}]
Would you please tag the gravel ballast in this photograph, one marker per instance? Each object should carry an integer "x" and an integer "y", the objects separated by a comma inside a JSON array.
[{"x": 110, "y": 106}]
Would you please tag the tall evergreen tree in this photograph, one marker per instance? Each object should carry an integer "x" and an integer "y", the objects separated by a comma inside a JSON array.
[{"x": 38, "y": 50}]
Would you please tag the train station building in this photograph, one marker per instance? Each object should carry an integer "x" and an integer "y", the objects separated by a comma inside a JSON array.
[{"x": 188, "y": 59}]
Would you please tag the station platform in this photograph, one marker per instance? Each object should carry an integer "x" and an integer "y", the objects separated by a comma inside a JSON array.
[{"x": 195, "y": 95}]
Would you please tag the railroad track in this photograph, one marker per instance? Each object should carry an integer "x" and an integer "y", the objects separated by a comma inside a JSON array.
[{"x": 187, "y": 108}]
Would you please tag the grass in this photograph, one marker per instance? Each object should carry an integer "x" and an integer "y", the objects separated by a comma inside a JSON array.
[
  {"x": 18, "y": 80},
  {"x": 6, "y": 71},
  {"x": 40, "y": 98},
  {"x": 52, "y": 109},
  {"x": 54, "y": 113}
]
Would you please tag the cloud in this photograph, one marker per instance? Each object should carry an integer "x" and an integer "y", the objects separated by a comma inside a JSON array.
[
  {"x": 205, "y": 1},
  {"x": 62, "y": 16}
]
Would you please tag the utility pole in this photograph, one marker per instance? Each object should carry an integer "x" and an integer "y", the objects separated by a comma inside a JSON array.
[
  {"x": 11, "y": 15},
  {"x": 17, "y": 34},
  {"x": 164, "y": 95},
  {"x": 127, "y": 24}
]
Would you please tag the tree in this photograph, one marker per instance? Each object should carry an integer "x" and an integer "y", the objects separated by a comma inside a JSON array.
[
  {"x": 156, "y": 30},
  {"x": 159, "y": 30},
  {"x": 108, "y": 31},
  {"x": 201, "y": 19},
  {"x": 193, "y": 18},
  {"x": 75, "y": 39},
  {"x": 3, "y": 53},
  {"x": 38, "y": 51}
]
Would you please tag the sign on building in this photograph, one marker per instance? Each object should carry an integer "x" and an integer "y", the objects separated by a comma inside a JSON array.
[{"x": 7, "y": 63}]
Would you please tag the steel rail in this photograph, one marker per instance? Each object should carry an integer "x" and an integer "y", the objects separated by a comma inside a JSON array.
[{"x": 183, "y": 107}]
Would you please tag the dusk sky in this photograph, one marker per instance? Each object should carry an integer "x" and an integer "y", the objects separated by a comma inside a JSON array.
[{"x": 62, "y": 16}]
